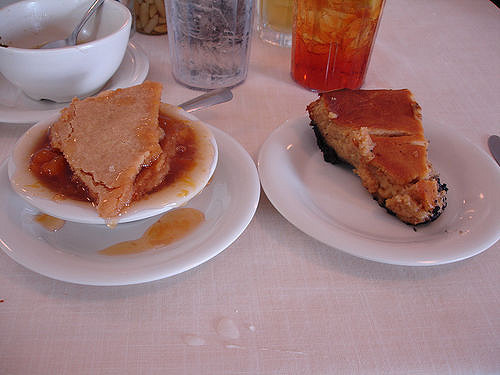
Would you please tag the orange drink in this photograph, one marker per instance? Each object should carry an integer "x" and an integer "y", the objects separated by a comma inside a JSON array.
[
  {"x": 332, "y": 42},
  {"x": 278, "y": 14},
  {"x": 275, "y": 21}
]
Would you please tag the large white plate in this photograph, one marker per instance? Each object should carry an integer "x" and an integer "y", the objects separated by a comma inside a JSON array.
[
  {"x": 71, "y": 254},
  {"x": 17, "y": 108},
  {"x": 329, "y": 203}
]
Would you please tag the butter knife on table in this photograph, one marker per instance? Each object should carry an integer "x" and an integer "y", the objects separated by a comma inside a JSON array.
[{"x": 494, "y": 145}]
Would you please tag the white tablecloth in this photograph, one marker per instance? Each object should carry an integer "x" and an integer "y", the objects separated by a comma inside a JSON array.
[{"x": 299, "y": 306}]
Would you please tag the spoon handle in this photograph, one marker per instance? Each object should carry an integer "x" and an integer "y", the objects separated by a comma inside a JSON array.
[
  {"x": 93, "y": 8},
  {"x": 208, "y": 99}
]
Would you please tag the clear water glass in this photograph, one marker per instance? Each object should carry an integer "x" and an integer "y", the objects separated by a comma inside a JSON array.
[{"x": 209, "y": 41}]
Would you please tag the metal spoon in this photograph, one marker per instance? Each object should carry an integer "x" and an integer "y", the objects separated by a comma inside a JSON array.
[
  {"x": 208, "y": 99},
  {"x": 71, "y": 40}
]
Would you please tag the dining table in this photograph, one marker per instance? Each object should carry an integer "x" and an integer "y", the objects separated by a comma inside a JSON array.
[{"x": 304, "y": 277}]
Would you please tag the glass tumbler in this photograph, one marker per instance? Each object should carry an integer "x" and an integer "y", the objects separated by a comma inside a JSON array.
[
  {"x": 275, "y": 19},
  {"x": 209, "y": 41},
  {"x": 332, "y": 42}
]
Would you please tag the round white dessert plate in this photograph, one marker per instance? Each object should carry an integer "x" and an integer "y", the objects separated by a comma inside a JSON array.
[
  {"x": 17, "y": 108},
  {"x": 72, "y": 253},
  {"x": 169, "y": 197},
  {"x": 328, "y": 202}
]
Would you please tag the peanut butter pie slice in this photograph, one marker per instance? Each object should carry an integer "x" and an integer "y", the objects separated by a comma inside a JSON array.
[{"x": 380, "y": 133}]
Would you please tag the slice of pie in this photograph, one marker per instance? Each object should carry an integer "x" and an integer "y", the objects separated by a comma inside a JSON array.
[
  {"x": 380, "y": 133},
  {"x": 108, "y": 139}
]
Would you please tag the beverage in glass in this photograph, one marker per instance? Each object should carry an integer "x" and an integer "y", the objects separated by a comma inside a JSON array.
[
  {"x": 332, "y": 42},
  {"x": 275, "y": 19},
  {"x": 209, "y": 41}
]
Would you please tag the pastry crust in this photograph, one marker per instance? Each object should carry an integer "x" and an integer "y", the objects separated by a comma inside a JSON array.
[
  {"x": 108, "y": 139},
  {"x": 380, "y": 133}
]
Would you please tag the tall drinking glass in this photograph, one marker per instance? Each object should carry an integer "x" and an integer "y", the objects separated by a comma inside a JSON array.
[
  {"x": 209, "y": 41},
  {"x": 275, "y": 19},
  {"x": 332, "y": 42}
]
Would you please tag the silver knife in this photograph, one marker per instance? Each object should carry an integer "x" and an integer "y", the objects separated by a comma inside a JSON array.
[{"x": 494, "y": 145}]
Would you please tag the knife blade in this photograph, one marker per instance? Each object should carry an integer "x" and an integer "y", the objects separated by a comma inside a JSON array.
[{"x": 494, "y": 145}]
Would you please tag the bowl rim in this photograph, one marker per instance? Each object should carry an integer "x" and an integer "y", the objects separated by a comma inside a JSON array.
[{"x": 117, "y": 4}]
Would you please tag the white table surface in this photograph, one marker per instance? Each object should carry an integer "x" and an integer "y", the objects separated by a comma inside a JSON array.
[{"x": 300, "y": 307}]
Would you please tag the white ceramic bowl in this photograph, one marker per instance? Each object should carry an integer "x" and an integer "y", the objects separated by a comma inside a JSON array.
[
  {"x": 61, "y": 74},
  {"x": 174, "y": 195}
]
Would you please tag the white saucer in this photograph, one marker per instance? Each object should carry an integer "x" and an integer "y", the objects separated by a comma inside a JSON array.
[
  {"x": 71, "y": 254},
  {"x": 329, "y": 203},
  {"x": 172, "y": 196},
  {"x": 17, "y": 108}
]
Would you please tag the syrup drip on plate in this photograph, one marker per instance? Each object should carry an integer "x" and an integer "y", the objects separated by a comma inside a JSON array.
[
  {"x": 171, "y": 227},
  {"x": 52, "y": 224}
]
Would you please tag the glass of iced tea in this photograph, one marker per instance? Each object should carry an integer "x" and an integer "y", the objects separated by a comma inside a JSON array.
[
  {"x": 275, "y": 21},
  {"x": 332, "y": 42}
]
